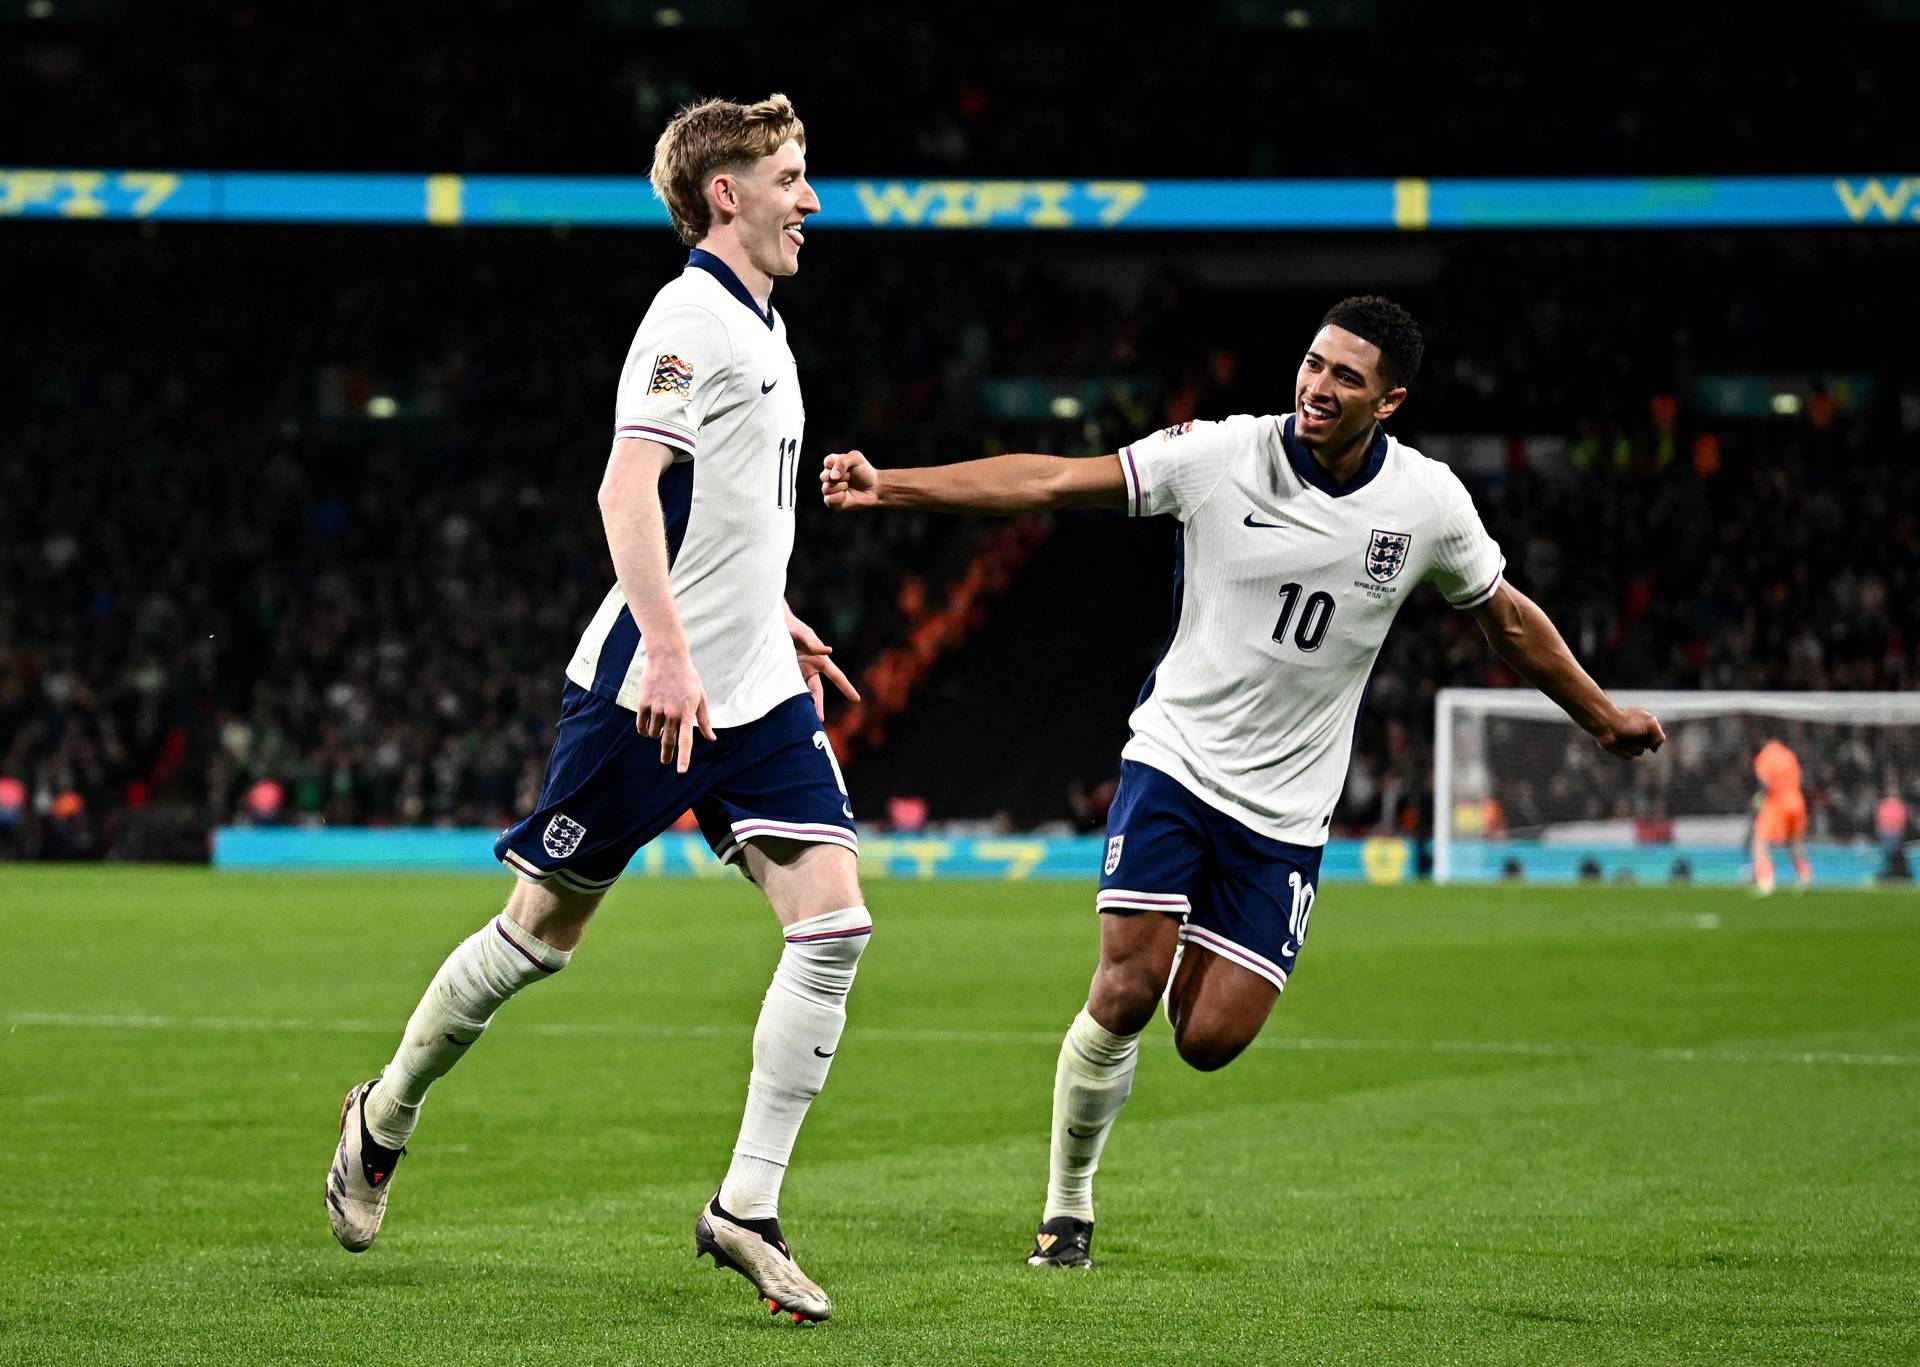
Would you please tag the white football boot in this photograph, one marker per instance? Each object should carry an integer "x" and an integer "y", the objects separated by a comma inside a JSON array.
[
  {"x": 757, "y": 1251},
  {"x": 361, "y": 1173}
]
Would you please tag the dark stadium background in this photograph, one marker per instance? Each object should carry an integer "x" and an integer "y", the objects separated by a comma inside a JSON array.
[{"x": 216, "y": 569}]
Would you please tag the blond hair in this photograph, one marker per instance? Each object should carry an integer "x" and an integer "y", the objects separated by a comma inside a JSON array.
[{"x": 712, "y": 136}]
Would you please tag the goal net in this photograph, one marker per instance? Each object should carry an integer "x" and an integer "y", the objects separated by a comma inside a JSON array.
[{"x": 1520, "y": 792}]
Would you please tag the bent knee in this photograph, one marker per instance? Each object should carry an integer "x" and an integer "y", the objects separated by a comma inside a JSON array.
[
  {"x": 554, "y": 914},
  {"x": 1124, "y": 995},
  {"x": 1208, "y": 1051}
]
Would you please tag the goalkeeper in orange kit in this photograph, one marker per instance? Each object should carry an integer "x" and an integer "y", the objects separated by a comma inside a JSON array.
[{"x": 1780, "y": 815}]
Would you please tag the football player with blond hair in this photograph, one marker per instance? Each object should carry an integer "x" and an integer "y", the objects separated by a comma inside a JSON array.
[{"x": 692, "y": 687}]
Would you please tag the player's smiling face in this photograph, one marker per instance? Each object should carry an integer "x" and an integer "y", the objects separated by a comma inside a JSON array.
[
  {"x": 774, "y": 203},
  {"x": 1340, "y": 393}
]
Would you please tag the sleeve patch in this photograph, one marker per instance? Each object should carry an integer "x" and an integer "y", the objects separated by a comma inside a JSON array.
[
  {"x": 1179, "y": 429},
  {"x": 671, "y": 375}
]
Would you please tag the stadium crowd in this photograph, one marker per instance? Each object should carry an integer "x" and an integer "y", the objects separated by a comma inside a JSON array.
[
  {"x": 331, "y": 572},
  {"x": 585, "y": 86},
  {"x": 1535, "y": 774}
]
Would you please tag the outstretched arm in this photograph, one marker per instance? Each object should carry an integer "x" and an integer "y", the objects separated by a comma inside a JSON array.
[
  {"x": 1522, "y": 635},
  {"x": 998, "y": 486}
]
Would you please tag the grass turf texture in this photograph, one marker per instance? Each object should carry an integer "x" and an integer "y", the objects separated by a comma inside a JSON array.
[{"x": 1484, "y": 1125}]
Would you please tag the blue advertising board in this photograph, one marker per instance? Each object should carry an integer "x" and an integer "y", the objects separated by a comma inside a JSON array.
[
  {"x": 1407, "y": 204},
  {"x": 1486, "y": 861},
  {"x": 677, "y": 855}
]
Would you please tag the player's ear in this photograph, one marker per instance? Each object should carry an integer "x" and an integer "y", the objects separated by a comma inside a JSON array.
[
  {"x": 1389, "y": 401},
  {"x": 723, "y": 194}
]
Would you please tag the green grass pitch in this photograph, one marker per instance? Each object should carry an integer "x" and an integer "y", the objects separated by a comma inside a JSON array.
[{"x": 1493, "y": 1125}]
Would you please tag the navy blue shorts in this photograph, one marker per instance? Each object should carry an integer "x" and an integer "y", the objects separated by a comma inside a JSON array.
[
  {"x": 1240, "y": 894},
  {"x": 607, "y": 793}
]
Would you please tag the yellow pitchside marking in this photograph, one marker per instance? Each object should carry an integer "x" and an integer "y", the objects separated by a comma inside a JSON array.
[
  {"x": 1410, "y": 203},
  {"x": 445, "y": 196}
]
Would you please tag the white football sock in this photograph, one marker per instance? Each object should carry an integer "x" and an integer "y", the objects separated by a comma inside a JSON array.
[
  {"x": 799, "y": 1032},
  {"x": 1090, "y": 1085},
  {"x": 489, "y": 966}
]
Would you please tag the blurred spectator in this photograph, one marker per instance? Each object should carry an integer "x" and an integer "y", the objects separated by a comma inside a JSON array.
[
  {"x": 996, "y": 90},
  {"x": 1890, "y": 822},
  {"x": 312, "y": 539}
]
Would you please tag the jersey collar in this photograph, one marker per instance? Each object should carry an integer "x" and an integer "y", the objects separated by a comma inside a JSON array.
[
  {"x": 1315, "y": 474},
  {"x": 721, "y": 271}
]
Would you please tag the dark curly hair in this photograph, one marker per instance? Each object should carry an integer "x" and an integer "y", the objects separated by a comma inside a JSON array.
[{"x": 1388, "y": 326}]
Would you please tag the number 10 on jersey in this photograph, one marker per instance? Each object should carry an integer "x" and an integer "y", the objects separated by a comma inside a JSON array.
[
  {"x": 1313, "y": 619},
  {"x": 788, "y": 476}
]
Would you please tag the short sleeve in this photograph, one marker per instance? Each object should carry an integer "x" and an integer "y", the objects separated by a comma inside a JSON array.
[
  {"x": 1173, "y": 471},
  {"x": 1468, "y": 564},
  {"x": 676, "y": 371}
]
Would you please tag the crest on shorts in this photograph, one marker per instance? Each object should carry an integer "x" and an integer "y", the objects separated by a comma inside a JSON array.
[
  {"x": 563, "y": 836},
  {"x": 1113, "y": 853},
  {"x": 1387, "y": 554},
  {"x": 671, "y": 375}
]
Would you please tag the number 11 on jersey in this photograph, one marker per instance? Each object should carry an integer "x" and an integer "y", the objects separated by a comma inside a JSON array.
[{"x": 788, "y": 475}]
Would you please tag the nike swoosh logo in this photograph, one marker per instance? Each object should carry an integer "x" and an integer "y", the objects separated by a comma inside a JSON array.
[
  {"x": 767, "y": 388},
  {"x": 1078, "y": 1135},
  {"x": 462, "y": 1043},
  {"x": 818, "y": 1054},
  {"x": 1277, "y": 526}
]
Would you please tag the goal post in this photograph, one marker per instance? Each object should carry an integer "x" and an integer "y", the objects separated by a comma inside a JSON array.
[{"x": 1520, "y": 792}]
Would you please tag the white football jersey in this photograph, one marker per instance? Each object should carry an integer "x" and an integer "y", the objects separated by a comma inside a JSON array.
[
  {"x": 1285, "y": 588},
  {"x": 710, "y": 375}
]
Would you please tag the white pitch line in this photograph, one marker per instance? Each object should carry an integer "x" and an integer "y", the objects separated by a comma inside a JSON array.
[{"x": 1489, "y": 1048}]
